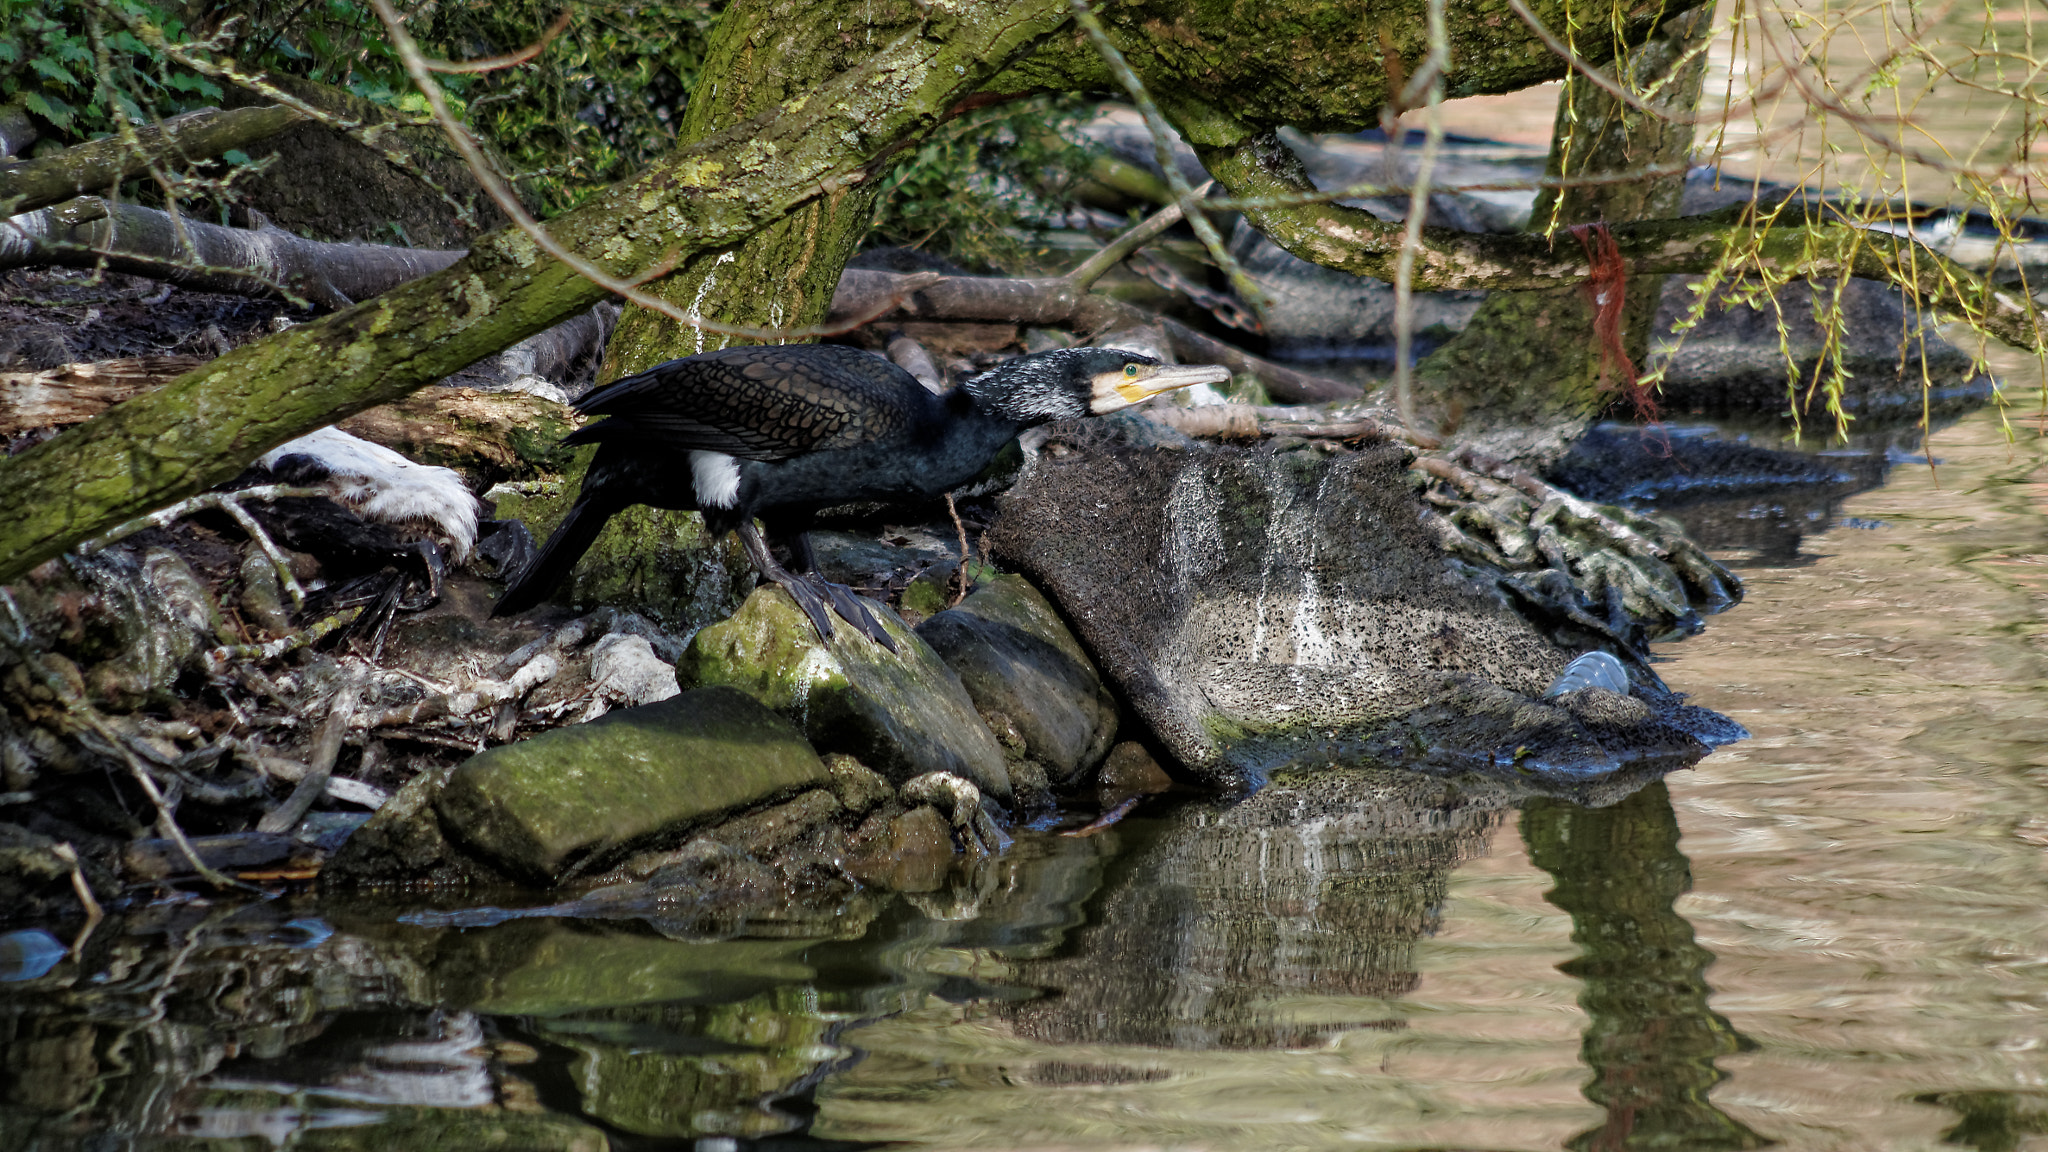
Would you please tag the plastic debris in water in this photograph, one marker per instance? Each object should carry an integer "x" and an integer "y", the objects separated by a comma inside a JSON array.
[
  {"x": 27, "y": 954},
  {"x": 1593, "y": 670}
]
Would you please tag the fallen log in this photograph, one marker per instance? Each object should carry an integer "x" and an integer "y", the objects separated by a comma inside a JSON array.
[
  {"x": 1057, "y": 300},
  {"x": 265, "y": 261},
  {"x": 95, "y": 167},
  {"x": 75, "y": 393}
]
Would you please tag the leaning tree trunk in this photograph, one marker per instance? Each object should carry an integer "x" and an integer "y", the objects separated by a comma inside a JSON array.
[
  {"x": 1530, "y": 371},
  {"x": 765, "y": 54}
]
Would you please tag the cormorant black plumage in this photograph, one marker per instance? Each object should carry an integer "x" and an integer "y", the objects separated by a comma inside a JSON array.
[{"x": 779, "y": 431}]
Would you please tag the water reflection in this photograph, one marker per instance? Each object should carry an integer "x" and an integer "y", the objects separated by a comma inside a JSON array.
[
  {"x": 1316, "y": 885},
  {"x": 1651, "y": 1040}
]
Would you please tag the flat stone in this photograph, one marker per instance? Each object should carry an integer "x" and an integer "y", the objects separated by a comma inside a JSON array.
[
  {"x": 901, "y": 713},
  {"x": 1028, "y": 676},
  {"x": 545, "y": 809}
]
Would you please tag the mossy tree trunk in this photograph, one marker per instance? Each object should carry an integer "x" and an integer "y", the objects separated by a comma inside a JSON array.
[
  {"x": 766, "y": 55},
  {"x": 1528, "y": 373}
]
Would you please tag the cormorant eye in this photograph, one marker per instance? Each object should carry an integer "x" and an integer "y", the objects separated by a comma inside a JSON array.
[{"x": 1131, "y": 370}]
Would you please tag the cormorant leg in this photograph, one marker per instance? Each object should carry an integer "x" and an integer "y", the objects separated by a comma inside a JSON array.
[
  {"x": 799, "y": 590},
  {"x": 843, "y": 600}
]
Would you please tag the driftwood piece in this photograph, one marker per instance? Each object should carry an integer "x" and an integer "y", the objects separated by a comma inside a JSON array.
[
  {"x": 162, "y": 859},
  {"x": 95, "y": 167},
  {"x": 75, "y": 393},
  {"x": 326, "y": 747},
  {"x": 266, "y": 261},
  {"x": 1056, "y": 300}
]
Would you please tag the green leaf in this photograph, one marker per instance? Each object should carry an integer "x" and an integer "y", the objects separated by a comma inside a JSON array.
[
  {"x": 48, "y": 107},
  {"x": 51, "y": 70}
]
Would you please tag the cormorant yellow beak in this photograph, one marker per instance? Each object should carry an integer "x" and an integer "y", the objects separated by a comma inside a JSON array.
[{"x": 1137, "y": 382}]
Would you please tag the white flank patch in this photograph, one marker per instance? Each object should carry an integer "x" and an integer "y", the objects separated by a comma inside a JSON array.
[
  {"x": 716, "y": 477},
  {"x": 383, "y": 487}
]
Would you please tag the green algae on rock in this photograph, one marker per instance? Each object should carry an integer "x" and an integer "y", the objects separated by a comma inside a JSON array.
[
  {"x": 547, "y": 808},
  {"x": 902, "y": 714},
  {"x": 1028, "y": 676},
  {"x": 659, "y": 563}
]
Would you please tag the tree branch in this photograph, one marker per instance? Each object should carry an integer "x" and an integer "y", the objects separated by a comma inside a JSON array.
[
  {"x": 1789, "y": 241},
  {"x": 95, "y": 167}
]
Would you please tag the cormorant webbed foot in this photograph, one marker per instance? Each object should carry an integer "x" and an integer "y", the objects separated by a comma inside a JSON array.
[
  {"x": 854, "y": 612},
  {"x": 811, "y": 592}
]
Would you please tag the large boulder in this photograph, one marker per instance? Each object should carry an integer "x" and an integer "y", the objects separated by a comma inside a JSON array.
[
  {"x": 1281, "y": 606},
  {"x": 1029, "y": 678},
  {"x": 901, "y": 713},
  {"x": 574, "y": 800}
]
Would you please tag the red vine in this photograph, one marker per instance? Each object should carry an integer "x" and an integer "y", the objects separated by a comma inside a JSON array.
[{"x": 1607, "y": 289}]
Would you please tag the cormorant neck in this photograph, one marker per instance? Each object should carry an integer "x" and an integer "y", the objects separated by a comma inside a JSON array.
[{"x": 1027, "y": 391}]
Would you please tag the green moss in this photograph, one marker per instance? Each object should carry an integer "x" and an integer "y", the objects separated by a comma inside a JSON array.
[{"x": 576, "y": 797}]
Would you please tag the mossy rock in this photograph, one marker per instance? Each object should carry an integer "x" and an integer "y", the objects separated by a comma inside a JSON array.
[
  {"x": 1029, "y": 678},
  {"x": 659, "y": 563},
  {"x": 545, "y": 809},
  {"x": 902, "y": 714}
]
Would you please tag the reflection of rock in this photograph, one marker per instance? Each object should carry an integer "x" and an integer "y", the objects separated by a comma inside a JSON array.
[
  {"x": 1317, "y": 885},
  {"x": 1028, "y": 676},
  {"x": 901, "y": 713},
  {"x": 1729, "y": 494},
  {"x": 1280, "y": 606},
  {"x": 696, "y": 1070}
]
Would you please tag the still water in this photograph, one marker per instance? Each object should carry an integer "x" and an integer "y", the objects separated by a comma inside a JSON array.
[{"x": 1831, "y": 936}]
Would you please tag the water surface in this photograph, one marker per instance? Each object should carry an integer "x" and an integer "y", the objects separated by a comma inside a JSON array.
[{"x": 1830, "y": 936}]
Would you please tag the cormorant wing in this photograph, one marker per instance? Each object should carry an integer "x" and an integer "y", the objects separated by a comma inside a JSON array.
[{"x": 765, "y": 402}]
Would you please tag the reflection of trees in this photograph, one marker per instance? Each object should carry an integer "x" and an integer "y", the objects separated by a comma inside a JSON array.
[
  {"x": 1319, "y": 885},
  {"x": 1992, "y": 1121},
  {"x": 1651, "y": 1040}
]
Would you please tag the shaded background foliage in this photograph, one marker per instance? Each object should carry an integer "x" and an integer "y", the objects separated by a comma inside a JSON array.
[{"x": 602, "y": 102}]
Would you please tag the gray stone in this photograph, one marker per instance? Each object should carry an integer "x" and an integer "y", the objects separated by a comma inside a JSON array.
[
  {"x": 1280, "y": 606},
  {"x": 1028, "y": 676},
  {"x": 901, "y": 713},
  {"x": 567, "y": 801},
  {"x": 625, "y": 667}
]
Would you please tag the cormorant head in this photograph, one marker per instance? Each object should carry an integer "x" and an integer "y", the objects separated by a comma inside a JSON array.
[{"x": 1069, "y": 382}]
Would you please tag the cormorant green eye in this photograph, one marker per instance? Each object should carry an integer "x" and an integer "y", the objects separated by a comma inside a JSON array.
[{"x": 1131, "y": 370}]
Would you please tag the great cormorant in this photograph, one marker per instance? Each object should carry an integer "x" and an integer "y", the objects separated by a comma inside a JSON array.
[{"x": 779, "y": 431}]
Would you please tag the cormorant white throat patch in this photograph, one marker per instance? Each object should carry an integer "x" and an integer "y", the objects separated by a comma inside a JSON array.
[{"x": 716, "y": 477}]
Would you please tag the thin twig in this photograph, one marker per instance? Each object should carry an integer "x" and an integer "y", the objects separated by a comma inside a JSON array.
[
  {"x": 1418, "y": 211},
  {"x": 230, "y": 503},
  {"x": 1117, "y": 250},
  {"x": 326, "y": 748},
  {"x": 961, "y": 529},
  {"x": 1163, "y": 136},
  {"x": 218, "y": 658},
  {"x": 93, "y": 913},
  {"x": 494, "y": 63}
]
